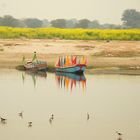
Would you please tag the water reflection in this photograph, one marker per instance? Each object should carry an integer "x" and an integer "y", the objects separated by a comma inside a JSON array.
[
  {"x": 69, "y": 80},
  {"x": 34, "y": 75},
  {"x": 97, "y": 115},
  {"x": 119, "y": 138}
]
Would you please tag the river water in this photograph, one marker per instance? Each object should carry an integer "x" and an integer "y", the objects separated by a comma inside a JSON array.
[{"x": 90, "y": 107}]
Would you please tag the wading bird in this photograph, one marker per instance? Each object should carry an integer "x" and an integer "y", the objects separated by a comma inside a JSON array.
[
  {"x": 21, "y": 114},
  {"x": 3, "y": 120},
  {"x": 51, "y": 119},
  {"x": 120, "y": 134},
  {"x": 87, "y": 116},
  {"x": 30, "y": 124}
]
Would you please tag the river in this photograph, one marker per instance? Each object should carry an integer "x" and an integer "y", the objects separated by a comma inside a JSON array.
[{"x": 88, "y": 107}]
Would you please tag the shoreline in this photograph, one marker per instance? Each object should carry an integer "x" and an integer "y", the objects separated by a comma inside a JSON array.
[
  {"x": 115, "y": 57},
  {"x": 96, "y": 71}
]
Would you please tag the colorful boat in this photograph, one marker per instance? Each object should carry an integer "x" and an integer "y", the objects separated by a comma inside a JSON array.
[
  {"x": 78, "y": 69},
  {"x": 70, "y": 65},
  {"x": 36, "y": 66}
]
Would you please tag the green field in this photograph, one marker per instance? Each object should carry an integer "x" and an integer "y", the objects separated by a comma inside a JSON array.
[{"x": 72, "y": 34}]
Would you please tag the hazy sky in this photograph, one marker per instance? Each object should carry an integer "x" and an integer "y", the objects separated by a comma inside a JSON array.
[{"x": 103, "y": 10}]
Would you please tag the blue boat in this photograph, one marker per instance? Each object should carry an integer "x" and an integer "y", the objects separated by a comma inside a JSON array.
[{"x": 77, "y": 69}]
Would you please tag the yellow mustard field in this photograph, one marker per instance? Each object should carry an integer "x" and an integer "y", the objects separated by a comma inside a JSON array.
[{"x": 72, "y": 34}]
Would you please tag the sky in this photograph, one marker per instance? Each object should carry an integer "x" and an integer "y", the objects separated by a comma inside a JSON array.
[{"x": 105, "y": 11}]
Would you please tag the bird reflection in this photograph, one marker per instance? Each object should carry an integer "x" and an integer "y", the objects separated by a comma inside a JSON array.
[
  {"x": 119, "y": 138},
  {"x": 69, "y": 80},
  {"x": 50, "y": 121}
]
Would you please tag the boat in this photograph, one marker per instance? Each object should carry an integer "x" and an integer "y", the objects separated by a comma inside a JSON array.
[
  {"x": 77, "y": 69},
  {"x": 65, "y": 64},
  {"x": 36, "y": 65}
]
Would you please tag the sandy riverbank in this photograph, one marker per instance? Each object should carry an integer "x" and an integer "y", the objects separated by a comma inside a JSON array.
[{"x": 121, "y": 57}]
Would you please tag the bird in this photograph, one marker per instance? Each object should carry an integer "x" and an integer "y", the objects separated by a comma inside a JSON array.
[
  {"x": 87, "y": 116},
  {"x": 30, "y": 124},
  {"x": 20, "y": 114},
  {"x": 120, "y": 134},
  {"x": 52, "y": 117},
  {"x": 3, "y": 120}
]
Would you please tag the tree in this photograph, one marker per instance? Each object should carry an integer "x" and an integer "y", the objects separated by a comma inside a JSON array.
[
  {"x": 83, "y": 23},
  {"x": 58, "y": 23},
  {"x": 131, "y": 18},
  {"x": 0, "y": 21},
  {"x": 32, "y": 22},
  {"x": 111, "y": 26},
  {"x": 46, "y": 23},
  {"x": 94, "y": 24},
  {"x": 8, "y": 20},
  {"x": 71, "y": 23}
]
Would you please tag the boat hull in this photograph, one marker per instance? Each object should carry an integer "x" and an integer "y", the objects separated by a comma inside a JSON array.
[
  {"x": 77, "y": 69},
  {"x": 36, "y": 66}
]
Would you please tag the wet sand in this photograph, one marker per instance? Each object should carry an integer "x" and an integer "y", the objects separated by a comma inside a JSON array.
[{"x": 121, "y": 57}]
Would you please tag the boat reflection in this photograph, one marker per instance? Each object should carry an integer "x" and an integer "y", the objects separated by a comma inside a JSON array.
[
  {"x": 70, "y": 80},
  {"x": 34, "y": 75}
]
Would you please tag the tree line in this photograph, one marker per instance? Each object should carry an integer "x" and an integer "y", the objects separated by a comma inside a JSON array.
[{"x": 130, "y": 19}]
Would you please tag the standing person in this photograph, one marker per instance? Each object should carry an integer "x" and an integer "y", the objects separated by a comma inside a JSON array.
[
  {"x": 23, "y": 60},
  {"x": 34, "y": 57}
]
